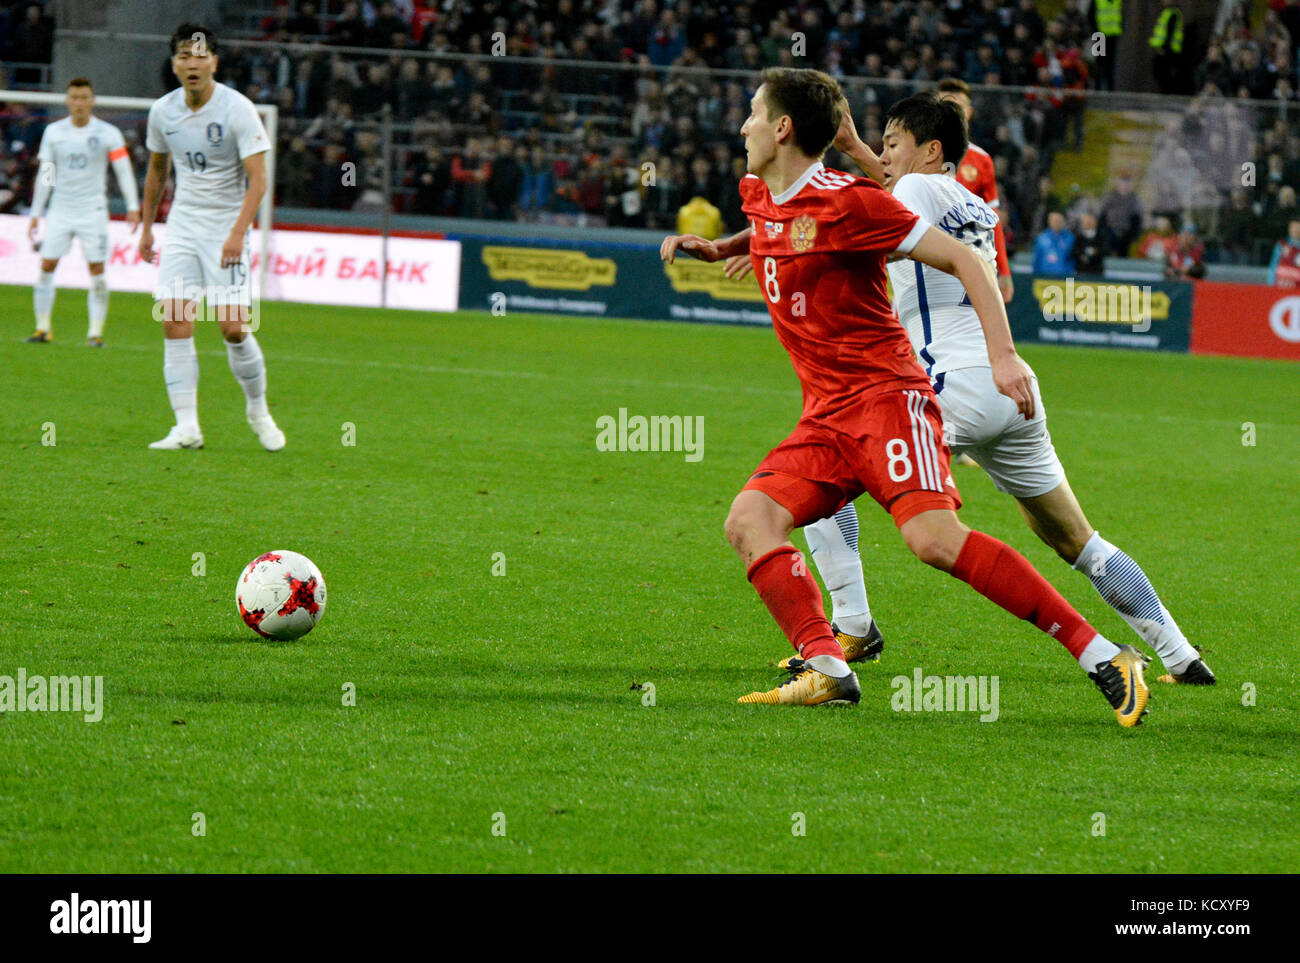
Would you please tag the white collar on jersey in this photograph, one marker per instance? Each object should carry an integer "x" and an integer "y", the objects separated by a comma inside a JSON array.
[{"x": 788, "y": 194}]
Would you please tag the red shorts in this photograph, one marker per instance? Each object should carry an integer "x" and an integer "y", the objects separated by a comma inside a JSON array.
[{"x": 889, "y": 445}]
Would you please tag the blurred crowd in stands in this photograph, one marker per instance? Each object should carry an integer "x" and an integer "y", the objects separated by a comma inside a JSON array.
[{"x": 650, "y": 119}]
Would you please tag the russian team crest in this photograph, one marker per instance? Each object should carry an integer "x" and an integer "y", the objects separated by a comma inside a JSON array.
[
  {"x": 803, "y": 231},
  {"x": 214, "y": 134}
]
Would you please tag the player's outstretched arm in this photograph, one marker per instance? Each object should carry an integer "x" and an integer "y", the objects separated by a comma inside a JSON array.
[
  {"x": 848, "y": 142},
  {"x": 154, "y": 180},
  {"x": 703, "y": 249},
  {"x": 1011, "y": 375}
]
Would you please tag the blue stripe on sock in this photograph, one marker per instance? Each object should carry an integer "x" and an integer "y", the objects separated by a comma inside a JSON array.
[
  {"x": 847, "y": 519},
  {"x": 1126, "y": 588}
]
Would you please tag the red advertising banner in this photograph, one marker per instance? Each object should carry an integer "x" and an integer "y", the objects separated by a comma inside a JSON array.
[{"x": 1246, "y": 320}]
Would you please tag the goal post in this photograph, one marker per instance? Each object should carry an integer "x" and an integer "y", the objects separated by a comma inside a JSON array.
[{"x": 133, "y": 111}]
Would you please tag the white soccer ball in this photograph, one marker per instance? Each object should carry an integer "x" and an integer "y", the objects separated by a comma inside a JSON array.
[{"x": 281, "y": 595}]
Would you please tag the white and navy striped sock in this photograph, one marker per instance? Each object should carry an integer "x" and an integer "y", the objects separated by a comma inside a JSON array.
[
  {"x": 833, "y": 544},
  {"x": 1125, "y": 587}
]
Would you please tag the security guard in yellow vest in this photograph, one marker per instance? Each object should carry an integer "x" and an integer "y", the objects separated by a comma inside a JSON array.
[
  {"x": 698, "y": 216},
  {"x": 1108, "y": 20},
  {"x": 1167, "y": 49}
]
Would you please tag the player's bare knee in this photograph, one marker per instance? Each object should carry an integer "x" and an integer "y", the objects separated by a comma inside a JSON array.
[
  {"x": 96, "y": 268},
  {"x": 929, "y": 548},
  {"x": 753, "y": 515}
]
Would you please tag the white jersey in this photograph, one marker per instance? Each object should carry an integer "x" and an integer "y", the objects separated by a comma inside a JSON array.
[
  {"x": 80, "y": 157},
  {"x": 933, "y": 306},
  {"x": 208, "y": 147}
]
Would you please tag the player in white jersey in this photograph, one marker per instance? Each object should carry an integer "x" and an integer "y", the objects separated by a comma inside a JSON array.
[
  {"x": 1017, "y": 453},
  {"x": 216, "y": 140},
  {"x": 74, "y": 157}
]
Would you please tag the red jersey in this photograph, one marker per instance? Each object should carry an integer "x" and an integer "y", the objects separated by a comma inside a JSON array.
[
  {"x": 819, "y": 252},
  {"x": 975, "y": 173}
]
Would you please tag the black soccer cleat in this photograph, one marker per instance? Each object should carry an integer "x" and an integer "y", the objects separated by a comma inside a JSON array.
[
  {"x": 1120, "y": 681},
  {"x": 1196, "y": 673},
  {"x": 40, "y": 337}
]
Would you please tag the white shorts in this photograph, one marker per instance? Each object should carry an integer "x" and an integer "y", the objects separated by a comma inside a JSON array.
[
  {"x": 980, "y": 421},
  {"x": 190, "y": 269},
  {"x": 60, "y": 229}
]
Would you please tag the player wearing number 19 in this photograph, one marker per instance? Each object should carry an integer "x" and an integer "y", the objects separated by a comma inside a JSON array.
[
  {"x": 219, "y": 148},
  {"x": 818, "y": 240}
]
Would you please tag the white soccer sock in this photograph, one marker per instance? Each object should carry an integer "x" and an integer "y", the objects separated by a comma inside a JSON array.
[
  {"x": 97, "y": 305},
  {"x": 181, "y": 372},
  {"x": 43, "y": 300},
  {"x": 1097, "y": 652},
  {"x": 1125, "y": 587},
  {"x": 833, "y": 544},
  {"x": 829, "y": 665},
  {"x": 249, "y": 368}
]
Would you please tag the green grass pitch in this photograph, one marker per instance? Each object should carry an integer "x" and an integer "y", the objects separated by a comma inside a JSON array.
[{"x": 480, "y": 694}]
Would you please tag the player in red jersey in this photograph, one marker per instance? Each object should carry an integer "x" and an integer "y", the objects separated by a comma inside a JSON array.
[
  {"x": 975, "y": 173},
  {"x": 818, "y": 240}
]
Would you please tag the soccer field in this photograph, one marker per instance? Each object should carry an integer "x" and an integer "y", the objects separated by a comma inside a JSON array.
[{"x": 500, "y": 588}]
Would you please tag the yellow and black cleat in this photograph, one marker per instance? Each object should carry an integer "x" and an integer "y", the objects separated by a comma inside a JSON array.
[
  {"x": 1120, "y": 681},
  {"x": 40, "y": 337},
  {"x": 857, "y": 648},
  {"x": 809, "y": 686},
  {"x": 93, "y": 342}
]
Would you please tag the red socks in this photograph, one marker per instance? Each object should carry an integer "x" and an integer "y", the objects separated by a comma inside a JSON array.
[
  {"x": 1002, "y": 575},
  {"x": 792, "y": 595}
]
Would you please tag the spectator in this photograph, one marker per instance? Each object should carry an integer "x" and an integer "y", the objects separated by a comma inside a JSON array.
[
  {"x": 349, "y": 30},
  {"x": 305, "y": 23},
  {"x": 389, "y": 31},
  {"x": 432, "y": 184},
  {"x": 1121, "y": 217},
  {"x": 1284, "y": 268},
  {"x": 470, "y": 172},
  {"x": 33, "y": 43},
  {"x": 1054, "y": 248},
  {"x": 538, "y": 183},
  {"x": 1186, "y": 257},
  {"x": 506, "y": 181},
  {"x": 1239, "y": 227},
  {"x": 663, "y": 197},
  {"x": 1282, "y": 213},
  {"x": 1158, "y": 243},
  {"x": 1088, "y": 247}
]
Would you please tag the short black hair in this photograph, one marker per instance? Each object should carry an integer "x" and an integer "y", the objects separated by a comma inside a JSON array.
[
  {"x": 813, "y": 100},
  {"x": 80, "y": 82},
  {"x": 194, "y": 33},
  {"x": 928, "y": 118}
]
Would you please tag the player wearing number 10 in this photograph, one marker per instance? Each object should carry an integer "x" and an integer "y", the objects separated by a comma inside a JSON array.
[
  {"x": 819, "y": 240},
  {"x": 219, "y": 148}
]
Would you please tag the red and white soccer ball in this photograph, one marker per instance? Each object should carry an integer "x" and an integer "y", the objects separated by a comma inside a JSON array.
[{"x": 281, "y": 595}]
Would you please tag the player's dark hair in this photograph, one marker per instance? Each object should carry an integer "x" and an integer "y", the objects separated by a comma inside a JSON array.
[
  {"x": 194, "y": 34},
  {"x": 80, "y": 82},
  {"x": 928, "y": 118},
  {"x": 811, "y": 99},
  {"x": 953, "y": 85}
]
